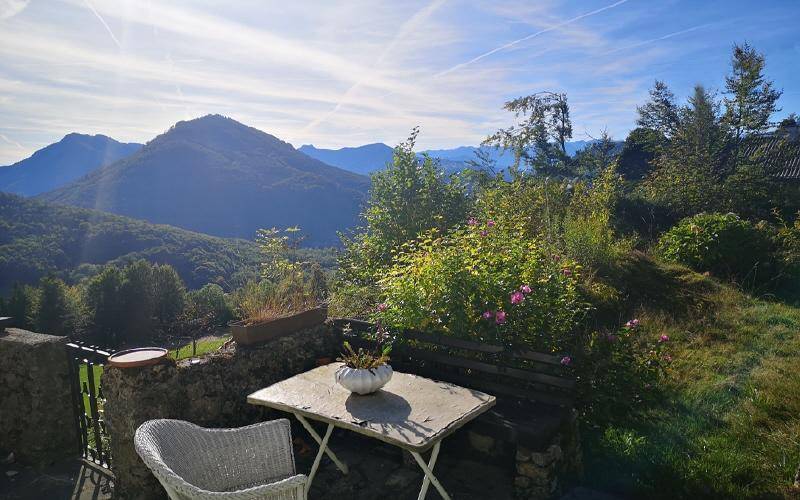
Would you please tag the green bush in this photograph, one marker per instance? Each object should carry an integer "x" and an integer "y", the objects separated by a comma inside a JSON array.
[
  {"x": 210, "y": 301},
  {"x": 788, "y": 246},
  {"x": 487, "y": 282},
  {"x": 722, "y": 244}
]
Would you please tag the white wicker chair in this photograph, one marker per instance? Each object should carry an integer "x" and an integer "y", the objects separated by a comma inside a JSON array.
[{"x": 193, "y": 462}]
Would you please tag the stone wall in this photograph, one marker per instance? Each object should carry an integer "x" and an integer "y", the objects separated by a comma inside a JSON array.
[
  {"x": 36, "y": 413},
  {"x": 544, "y": 473},
  {"x": 210, "y": 391}
]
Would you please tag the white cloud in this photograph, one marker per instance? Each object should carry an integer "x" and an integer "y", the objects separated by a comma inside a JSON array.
[
  {"x": 10, "y": 8},
  {"x": 335, "y": 73}
]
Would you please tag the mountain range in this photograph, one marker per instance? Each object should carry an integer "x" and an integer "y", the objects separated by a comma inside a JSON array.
[
  {"x": 217, "y": 176},
  {"x": 62, "y": 162},
  {"x": 371, "y": 157}
]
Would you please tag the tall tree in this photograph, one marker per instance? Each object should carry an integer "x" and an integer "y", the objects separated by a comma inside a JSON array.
[
  {"x": 104, "y": 302},
  {"x": 52, "y": 312},
  {"x": 596, "y": 157},
  {"x": 641, "y": 148},
  {"x": 20, "y": 306},
  {"x": 138, "y": 300},
  {"x": 660, "y": 112},
  {"x": 751, "y": 98},
  {"x": 169, "y": 294},
  {"x": 539, "y": 138},
  {"x": 409, "y": 197},
  {"x": 689, "y": 172}
]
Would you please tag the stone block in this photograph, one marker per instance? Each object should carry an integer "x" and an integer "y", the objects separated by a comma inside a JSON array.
[
  {"x": 36, "y": 414},
  {"x": 482, "y": 443},
  {"x": 538, "y": 475}
]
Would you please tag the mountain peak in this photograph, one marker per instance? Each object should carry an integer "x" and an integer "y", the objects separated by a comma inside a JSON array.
[
  {"x": 215, "y": 175},
  {"x": 62, "y": 162}
]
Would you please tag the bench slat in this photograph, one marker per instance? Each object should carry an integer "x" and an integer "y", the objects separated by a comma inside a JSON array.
[
  {"x": 447, "y": 359},
  {"x": 495, "y": 388},
  {"x": 448, "y": 341}
]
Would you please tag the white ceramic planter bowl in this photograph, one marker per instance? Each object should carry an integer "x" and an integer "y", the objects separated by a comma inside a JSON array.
[{"x": 363, "y": 381}]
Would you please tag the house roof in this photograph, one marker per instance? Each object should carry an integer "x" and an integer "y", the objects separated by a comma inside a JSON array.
[{"x": 780, "y": 151}]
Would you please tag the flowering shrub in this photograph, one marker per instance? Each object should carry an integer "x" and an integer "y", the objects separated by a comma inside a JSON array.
[
  {"x": 621, "y": 369},
  {"x": 484, "y": 281},
  {"x": 722, "y": 244}
]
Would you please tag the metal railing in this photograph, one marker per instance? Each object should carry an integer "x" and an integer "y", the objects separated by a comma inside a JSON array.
[{"x": 86, "y": 363}]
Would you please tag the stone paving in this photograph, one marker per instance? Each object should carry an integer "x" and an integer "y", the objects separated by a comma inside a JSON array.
[
  {"x": 69, "y": 479},
  {"x": 380, "y": 471},
  {"x": 377, "y": 471}
]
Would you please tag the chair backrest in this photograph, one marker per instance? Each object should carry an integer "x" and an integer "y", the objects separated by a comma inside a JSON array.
[{"x": 521, "y": 374}]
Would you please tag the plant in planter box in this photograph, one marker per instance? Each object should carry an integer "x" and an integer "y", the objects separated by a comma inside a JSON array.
[
  {"x": 282, "y": 302},
  {"x": 365, "y": 371}
]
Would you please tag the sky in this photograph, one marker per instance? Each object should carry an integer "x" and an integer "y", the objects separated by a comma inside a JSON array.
[{"x": 338, "y": 74}]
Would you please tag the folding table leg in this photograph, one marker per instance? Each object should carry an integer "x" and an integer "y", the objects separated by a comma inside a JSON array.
[
  {"x": 323, "y": 445},
  {"x": 428, "y": 470},
  {"x": 341, "y": 465}
]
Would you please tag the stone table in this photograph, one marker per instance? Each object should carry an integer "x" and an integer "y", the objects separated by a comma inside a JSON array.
[{"x": 411, "y": 412}]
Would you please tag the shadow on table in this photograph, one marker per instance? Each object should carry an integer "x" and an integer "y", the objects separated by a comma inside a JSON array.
[{"x": 387, "y": 412}]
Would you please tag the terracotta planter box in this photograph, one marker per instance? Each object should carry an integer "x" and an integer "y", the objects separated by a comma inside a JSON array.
[{"x": 262, "y": 332}]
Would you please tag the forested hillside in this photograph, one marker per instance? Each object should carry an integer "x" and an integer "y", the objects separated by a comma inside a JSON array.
[{"x": 38, "y": 238}]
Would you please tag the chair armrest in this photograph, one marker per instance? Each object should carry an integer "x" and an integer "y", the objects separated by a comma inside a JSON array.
[{"x": 260, "y": 491}]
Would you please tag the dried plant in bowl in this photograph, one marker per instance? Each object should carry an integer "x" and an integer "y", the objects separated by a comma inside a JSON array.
[
  {"x": 364, "y": 371},
  {"x": 364, "y": 359}
]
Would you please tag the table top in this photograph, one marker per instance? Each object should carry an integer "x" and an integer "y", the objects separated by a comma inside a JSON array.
[{"x": 411, "y": 412}]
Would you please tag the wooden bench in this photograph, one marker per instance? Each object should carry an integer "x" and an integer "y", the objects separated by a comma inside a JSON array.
[{"x": 535, "y": 393}]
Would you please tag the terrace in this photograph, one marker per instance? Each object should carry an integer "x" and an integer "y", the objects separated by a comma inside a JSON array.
[{"x": 481, "y": 460}]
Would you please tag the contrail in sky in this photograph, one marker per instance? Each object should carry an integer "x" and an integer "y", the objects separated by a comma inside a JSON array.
[
  {"x": 653, "y": 40},
  {"x": 103, "y": 22},
  {"x": 533, "y": 35},
  {"x": 11, "y": 141},
  {"x": 407, "y": 28}
]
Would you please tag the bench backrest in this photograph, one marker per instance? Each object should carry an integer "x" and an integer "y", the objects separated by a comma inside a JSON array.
[{"x": 522, "y": 375}]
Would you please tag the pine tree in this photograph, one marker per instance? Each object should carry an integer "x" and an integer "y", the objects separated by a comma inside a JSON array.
[
  {"x": 20, "y": 306},
  {"x": 169, "y": 294},
  {"x": 750, "y": 97},
  {"x": 660, "y": 113},
  {"x": 52, "y": 312}
]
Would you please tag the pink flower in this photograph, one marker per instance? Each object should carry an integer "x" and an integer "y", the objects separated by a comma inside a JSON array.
[
  {"x": 484, "y": 233},
  {"x": 667, "y": 358},
  {"x": 490, "y": 223},
  {"x": 488, "y": 315},
  {"x": 634, "y": 323},
  {"x": 382, "y": 306},
  {"x": 525, "y": 289},
  {"x": 500, "y": 317},
  {"x": 663, "y": 338},
  {"x": 517, "y": 298},
  {"x": 566, "y": 272},
  {"x": 566, "y": 361},
  {"x": 472, "y": 221}
]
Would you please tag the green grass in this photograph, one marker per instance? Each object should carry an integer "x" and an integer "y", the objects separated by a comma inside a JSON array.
[
  {"x": 726, "y": 423},
  {"x": 203, "y": 347}
]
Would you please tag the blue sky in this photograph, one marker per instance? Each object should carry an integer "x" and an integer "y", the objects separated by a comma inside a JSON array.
[{"x": 348, "y": 73}]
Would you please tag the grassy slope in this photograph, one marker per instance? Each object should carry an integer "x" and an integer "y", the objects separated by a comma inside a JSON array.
[{"x": 727, "y": 422}]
